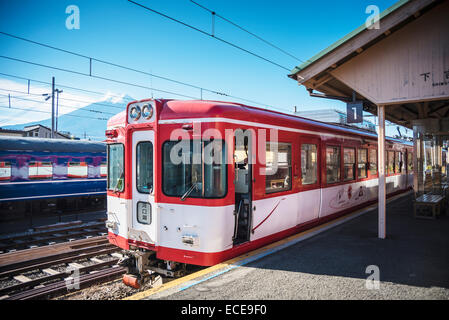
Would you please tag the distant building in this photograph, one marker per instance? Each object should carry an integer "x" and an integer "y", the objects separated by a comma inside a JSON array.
[
  {"x": 11, "y": 133},
  {"x": 35, "y": 131},
  {"x": 334, "y": 116}
]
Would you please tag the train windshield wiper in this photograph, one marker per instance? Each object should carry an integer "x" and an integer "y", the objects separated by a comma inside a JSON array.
[
  {"x": 188, "y": 192},
  {"x": 122, "y": 173}
]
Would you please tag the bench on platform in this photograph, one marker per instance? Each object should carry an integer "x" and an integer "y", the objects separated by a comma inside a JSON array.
[{"x": 425, "y": 202}]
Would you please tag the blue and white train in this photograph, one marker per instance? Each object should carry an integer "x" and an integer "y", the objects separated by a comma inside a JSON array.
[{"x": 50, "y": 174}]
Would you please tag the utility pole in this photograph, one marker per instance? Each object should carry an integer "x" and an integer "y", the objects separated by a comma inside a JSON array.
[
  {"x": 52, "y": 96},
  {"x": 53, "y": 108},
  {"x": 57, "y": 106}
]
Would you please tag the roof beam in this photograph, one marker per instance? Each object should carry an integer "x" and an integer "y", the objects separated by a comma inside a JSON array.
[
  {"x": 321, "y": 81},
  {"x": 334, "y": 91},
  {"x": 444, "y": 105},
  {"x": 406, "y": 109}
]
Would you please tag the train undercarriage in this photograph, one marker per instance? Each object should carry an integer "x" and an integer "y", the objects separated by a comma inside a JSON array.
[{"x": 143, "y": 267}]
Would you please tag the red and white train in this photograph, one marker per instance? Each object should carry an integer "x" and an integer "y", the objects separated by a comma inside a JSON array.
[{"x": 285, "y": 175}]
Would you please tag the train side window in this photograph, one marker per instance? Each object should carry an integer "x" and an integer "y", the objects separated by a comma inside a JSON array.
[
  {"x": 278, "y": 167},
  {"x": 390, "y": 162},
  {"x": 362, "y": 157},
  {"x": 5, "y": 170},
  {"x": 103, "y": 169},
  {"x": 373, "y": 162},
  {"x": 40, "y": 170},
  {"x": 398, "y": 162},
  {"x": 309, "y": 167},
  {"x": 349, "y": 163},
  {"x": 410, "y": 162},
  {"x": 332, "y": 164},
  {"x": 77, "y": 169}
]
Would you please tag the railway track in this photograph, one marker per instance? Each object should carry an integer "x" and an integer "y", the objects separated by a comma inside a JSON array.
[
  {"x": 50, "y": 235},
  {"x": 53, "y": 270},
  {"x": 55, "y": 260}
]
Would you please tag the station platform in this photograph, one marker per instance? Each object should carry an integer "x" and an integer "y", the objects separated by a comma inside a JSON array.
[{"x": 331, "y": 261}]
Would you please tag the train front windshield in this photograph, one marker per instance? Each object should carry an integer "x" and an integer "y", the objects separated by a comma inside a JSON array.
[{"x": 194, "y": 169}]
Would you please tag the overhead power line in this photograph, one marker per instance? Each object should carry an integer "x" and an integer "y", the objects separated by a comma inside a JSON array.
[
  {"x": 131, "y": 84},
  {"x": 68, "y": 99},
  {"x": 212, "y": 35},
  {"x": 92, "y": 59},
  {"x": 214, "y": 13},
  {"x": 41, "y": 111},
  {"x": 65, "y": 86},
  {"x": 93, "y": 76},
  {"x": 62, "y": 105}
]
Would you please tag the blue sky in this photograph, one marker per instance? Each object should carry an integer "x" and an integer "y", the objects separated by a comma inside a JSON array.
[{"x": 121, "y": 32}]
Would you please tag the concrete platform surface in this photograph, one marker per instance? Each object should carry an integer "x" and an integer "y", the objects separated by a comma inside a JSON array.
[{"x": 413, "y": 263}]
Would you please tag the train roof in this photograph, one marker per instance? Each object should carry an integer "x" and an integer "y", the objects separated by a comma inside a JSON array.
[
  {"x": 196, "y": 109},
  {"x": 51, "y": 145},
  {"x": 191, "y": 109}
]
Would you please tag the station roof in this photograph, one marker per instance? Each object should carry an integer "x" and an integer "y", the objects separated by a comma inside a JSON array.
[
  {"x": 388, "y": 66},
  {"x": 344, "y": 39}
]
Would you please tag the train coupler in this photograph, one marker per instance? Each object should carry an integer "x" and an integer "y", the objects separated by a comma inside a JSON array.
[
  {"x": 137, "y": 281},
  {"x": 138, "y": 265},
  {"x": 131, "y": 280}
]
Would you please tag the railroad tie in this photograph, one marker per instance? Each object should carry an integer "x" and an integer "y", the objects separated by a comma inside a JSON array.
[
  {"x": 117, "y": 255},
  {"x": 22, "y": 278},
  {"x": 50, "y": 271},
  {"x": 39, "y": 286},
  {"x": 76, "y": 265},
  {"x": 96, "y": 260}
]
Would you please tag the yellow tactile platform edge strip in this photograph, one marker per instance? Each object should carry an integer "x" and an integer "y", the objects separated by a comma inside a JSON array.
[{"x": 201, "y": 273}]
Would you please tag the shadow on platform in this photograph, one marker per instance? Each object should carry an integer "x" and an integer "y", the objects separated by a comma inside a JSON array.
[{"x": 415, "y": 253}]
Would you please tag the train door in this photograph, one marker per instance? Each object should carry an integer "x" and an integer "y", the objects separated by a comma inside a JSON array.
[
  {"x": 309, "y": 199},
  {"x": 243, "y": 186},
  {"x": 144, "y": 218}
]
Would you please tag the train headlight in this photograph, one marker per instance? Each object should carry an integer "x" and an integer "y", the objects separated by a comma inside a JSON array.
[
  {"x": 135, "y": 112},
  {"x": 147, "y": 111},
  {"x": 144, "y": 213}
]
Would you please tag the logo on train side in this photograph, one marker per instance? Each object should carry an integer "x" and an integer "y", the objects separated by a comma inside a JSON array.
[{"x": 212, "y": 153}]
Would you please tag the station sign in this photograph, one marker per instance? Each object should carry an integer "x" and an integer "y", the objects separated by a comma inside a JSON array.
[{"x": 354, "y": 112}]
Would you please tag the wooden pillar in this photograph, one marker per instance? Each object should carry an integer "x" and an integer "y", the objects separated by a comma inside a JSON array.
[
  {"x": 382, "y": 181},
  {"x": 416, "y": 160}
]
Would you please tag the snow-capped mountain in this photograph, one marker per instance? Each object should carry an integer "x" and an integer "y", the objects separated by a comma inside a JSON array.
[{"x": 86, "y": 122}]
